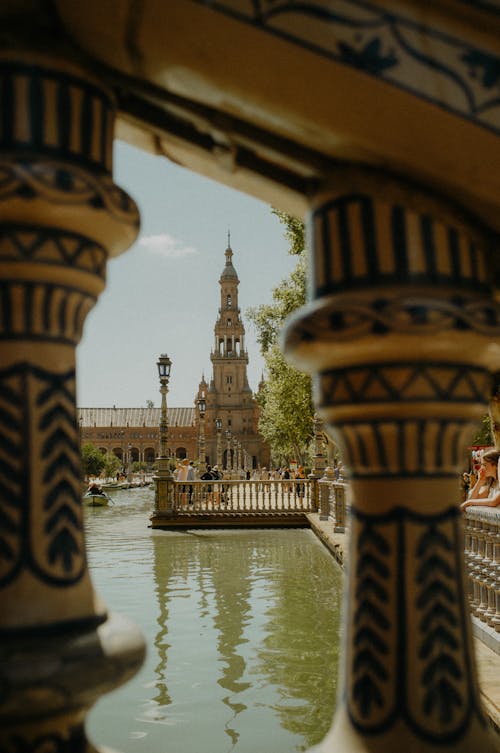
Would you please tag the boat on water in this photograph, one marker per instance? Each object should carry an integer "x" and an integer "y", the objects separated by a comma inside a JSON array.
[
  {"x": 96, "y": 497},
  {"x": 109, "y": 486}
]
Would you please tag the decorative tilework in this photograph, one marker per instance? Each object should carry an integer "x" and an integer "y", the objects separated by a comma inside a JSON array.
[{"x": 427, "y": 62}]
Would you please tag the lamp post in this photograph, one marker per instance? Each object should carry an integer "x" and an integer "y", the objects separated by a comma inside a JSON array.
[
  {"x": 228, "y": 451},
  {"x": 238, "y": 455},
  {"x": 319, "y": 463},
  {"x": 218, "y": 428},
  {"x": 163, "y": 479},
  {"x": 232, "y": 453},
  {"x": 129, "y": 463},
  {"x": 202, "y": 406},
  {"x": 319, "y": 459}
]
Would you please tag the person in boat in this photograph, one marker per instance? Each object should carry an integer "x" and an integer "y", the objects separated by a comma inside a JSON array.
[{"x": 95, "y": 490}]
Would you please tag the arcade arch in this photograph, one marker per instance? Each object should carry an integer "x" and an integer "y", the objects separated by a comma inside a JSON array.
[{"x": 378, "y": 120}]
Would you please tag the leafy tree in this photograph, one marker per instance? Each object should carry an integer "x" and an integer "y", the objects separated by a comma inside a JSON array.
[
  {"x": 286, "y": 401},
  {"x": 294, "y": 232},
  {"x": 150, "y": 404},
  {"x": 288, "y": 296},
  {"x": 112, "y": 465},
  {"x": 287, "y": 409},
  {"x": 483, "y": 436},
  {"x": 137, "y": 466},
  {"x": 93, "y": 460}
]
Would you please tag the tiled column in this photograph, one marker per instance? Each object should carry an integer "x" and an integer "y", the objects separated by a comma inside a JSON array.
[
  {"x": 400, "y": 335},
  {"x": 61, "y": 215}
]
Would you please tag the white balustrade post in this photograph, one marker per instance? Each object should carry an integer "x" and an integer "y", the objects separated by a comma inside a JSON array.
[{"x": 325, "y": 493}]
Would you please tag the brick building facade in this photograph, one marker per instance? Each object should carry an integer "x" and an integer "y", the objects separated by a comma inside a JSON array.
[{"x": 132, "y": 434}]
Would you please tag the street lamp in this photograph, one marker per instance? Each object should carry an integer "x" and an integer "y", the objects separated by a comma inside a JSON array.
[
  {"x": 163, "y": 479},
  {"x": 218, "y": 427},
  {"x": 164, "y": 365},
  {"x": 202, "y": 406},
  {"x": 129, "y": 463},
  {"x": 229, "y": 466}
]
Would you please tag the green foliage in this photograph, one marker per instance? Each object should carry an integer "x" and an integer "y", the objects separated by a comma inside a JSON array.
[
  {"x": 294, "y": 233},
  {"x": 93, "y": 460},
  {"x": 112, "y": 465},
  {"x": 288, "y": 297},
  {"x": 137, "y": 467},
  {"x": 483, "y": 435},
  {"x": 286, "y": 420},
  {"x": 287, "y": 410}
]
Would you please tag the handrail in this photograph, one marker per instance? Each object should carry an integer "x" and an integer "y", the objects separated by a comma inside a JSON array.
[
  {"x": 482, "y": 557},
  {"x": 262, "y": 496}
]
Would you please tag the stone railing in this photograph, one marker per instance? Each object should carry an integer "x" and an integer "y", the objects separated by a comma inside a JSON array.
[
  {"x": 482, "y": 557},
  {"x": 244, "y": 496},
  {"x": 333, "y": 501}
]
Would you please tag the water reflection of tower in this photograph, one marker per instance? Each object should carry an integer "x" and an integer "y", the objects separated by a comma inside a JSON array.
[
  {"x": 302, "y": 671},
  {"x": 174, "y": 564},
  {"x": 219, "y": 570},
  {"x": 220, "y": 573},
  {"x": 231, "y": 565}
]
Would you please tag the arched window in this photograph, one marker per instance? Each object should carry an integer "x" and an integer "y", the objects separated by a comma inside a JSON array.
[
  {"x": 229, "y": 301},
  {"x": 149, "y": 455},
  {"x": 229, "y": 323}
]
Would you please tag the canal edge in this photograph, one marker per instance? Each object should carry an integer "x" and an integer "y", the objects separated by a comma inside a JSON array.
[{"x": 334, "y": 542}]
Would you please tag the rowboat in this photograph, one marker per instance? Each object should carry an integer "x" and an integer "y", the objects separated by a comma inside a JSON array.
[{"x": 96, "y": 499}]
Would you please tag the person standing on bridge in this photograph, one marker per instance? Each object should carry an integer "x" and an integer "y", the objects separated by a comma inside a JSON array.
[
  {"x": 208, "y": 475},
  {"x": 300, "y": 485},
  {"x": 186, "y": 473}
]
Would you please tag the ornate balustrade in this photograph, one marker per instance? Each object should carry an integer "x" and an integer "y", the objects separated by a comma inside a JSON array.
[
  {"x": 482, "y": 557},
  {"x": 236, "y": 502},
  {"x": 333, "y": 501},
  {"x": 244, "y": 496}
]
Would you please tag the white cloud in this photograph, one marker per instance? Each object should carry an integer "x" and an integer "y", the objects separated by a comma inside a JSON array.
[{"x": 167, "y": 246}]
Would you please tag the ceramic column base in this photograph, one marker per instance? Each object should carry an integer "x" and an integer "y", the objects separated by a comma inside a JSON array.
[{"x": 50, "y": 680}]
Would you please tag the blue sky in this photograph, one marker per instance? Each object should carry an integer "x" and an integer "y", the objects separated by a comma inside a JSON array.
[{"x": 162, "y": 295}]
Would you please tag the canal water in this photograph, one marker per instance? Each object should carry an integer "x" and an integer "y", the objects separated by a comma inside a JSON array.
[{"x": 241, "y": 629}]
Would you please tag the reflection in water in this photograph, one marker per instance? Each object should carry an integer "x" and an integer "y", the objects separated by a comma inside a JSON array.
[
  {"x": 232, "y": 578},
  {"x": 242, "y": 628},
  {"x": 223, "y": 591},
  {"x": 298, "y": 653}
]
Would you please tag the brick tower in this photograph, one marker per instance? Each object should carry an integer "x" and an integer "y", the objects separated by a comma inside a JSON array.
[{"x": 229, "y": 396}]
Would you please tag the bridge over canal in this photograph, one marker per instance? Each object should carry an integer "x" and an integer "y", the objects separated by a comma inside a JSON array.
[{"x": 247, "y": 503}]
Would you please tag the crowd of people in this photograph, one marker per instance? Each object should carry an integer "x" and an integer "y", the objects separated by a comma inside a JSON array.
[
  {"x": 481, "y": 484},
  {"x": 293, "y": 476}
]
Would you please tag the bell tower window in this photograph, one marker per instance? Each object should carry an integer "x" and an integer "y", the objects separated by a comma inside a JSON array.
[{"x": 229, "y": 301}]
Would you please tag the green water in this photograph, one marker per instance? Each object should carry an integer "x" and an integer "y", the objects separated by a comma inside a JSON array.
[{"x": 241, "y": 629}]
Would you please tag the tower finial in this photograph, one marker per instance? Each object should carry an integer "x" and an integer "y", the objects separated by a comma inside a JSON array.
[{"x": 228, "y": 238}]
